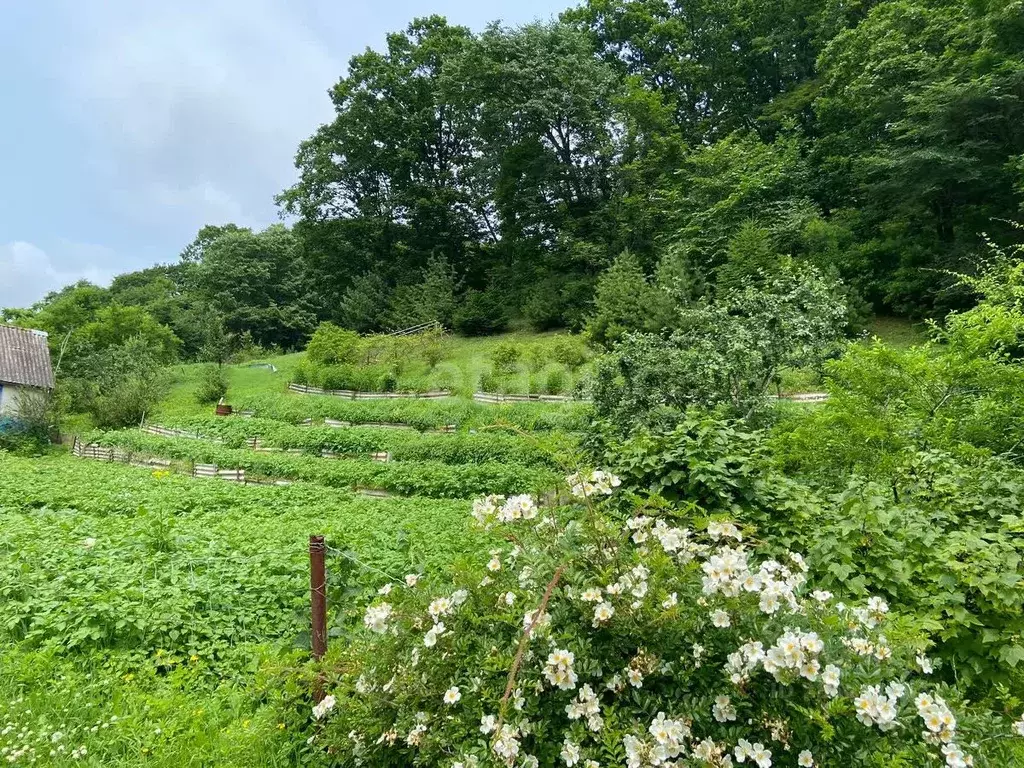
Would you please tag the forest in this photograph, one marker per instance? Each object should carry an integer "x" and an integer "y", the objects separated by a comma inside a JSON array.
[{"x": 490, "y": 179}]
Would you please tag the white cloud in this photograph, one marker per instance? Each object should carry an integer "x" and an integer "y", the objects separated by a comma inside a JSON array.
[
  {"x": 171, "y": 116},
  {"x": 194, "y": 110},
  {"x": 27, "y": 272}
]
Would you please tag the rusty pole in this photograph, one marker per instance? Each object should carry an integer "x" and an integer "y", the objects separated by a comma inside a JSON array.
[
  {"x": 318, "y": 596},
  {"x": 318, "y": 608}
]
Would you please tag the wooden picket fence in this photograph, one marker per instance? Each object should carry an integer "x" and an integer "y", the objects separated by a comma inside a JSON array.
[
  {"x": 213, "y": 471},
  {"x": 495, "y": 398},
  {"x": 156, "y": 429},
  {"x": 96, "y": 452},
  {"x": 349, "y": 394}
]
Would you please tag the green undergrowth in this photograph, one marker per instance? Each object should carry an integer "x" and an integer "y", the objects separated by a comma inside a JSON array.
[
  {"x": 403, "y": 444},
  {"x": 145, "y": 614},
  {"x": 155, "y": 716},
  {"x": 411, "y": 478},
  {"x": 421, "y": 414}
]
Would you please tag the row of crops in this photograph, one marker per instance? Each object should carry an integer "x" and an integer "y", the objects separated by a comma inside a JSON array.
[
  {"x": 125, "y": 558},
  {"x": 421, "y": 414},
  {"x": 146, "y": 612},
  {"x": 463, "y": 447},
  {"x": 432, "y": 479},
  {"x": 489, "y": 450}
]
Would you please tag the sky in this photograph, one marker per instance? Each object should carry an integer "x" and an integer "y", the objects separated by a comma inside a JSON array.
[{"x": 127, "y": 126}]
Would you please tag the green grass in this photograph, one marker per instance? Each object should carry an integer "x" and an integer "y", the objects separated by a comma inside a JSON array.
[
  {"x": 433, "y": 479},
  {"x": 465, "y": 363},
  {"x": 156, "y": 608},
  {"x": 157, "y": 619},
  {"x": 897, "y": 332}
]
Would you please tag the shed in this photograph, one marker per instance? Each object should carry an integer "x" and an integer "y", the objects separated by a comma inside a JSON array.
[{"x": 24, "y": 366}]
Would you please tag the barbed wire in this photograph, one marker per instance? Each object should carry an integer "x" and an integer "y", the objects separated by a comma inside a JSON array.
[{"x": 351, "y": 558}]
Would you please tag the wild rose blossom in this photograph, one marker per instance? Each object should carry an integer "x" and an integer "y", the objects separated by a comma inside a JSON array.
[
  {"x": 326, "y": 705},
  {"x": 377, "y": 616},
  {"x": 598, "y": 483},
  {"x": 732, "y": 591}
]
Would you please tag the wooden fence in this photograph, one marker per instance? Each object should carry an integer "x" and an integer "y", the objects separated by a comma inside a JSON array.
[
  {"x": 349, "y": 394},
  {"x": 213, "y": 471},
  {"x": 156, "y": 429},
  {"x": 414, "y": 329},
  {"x": 496, "y": 398},
  {"x": 102, "y": 453},
  {"x": 807, "y": 397}
]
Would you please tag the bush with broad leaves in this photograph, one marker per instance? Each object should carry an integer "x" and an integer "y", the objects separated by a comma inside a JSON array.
[{"x": 600, "y": 633}]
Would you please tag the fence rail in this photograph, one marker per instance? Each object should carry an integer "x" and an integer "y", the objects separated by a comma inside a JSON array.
[
  {"x": 412, "y": 329},
  {"x": 96, "y": 452},
  {"x": 156, "y": 429},
  {"x": 350, "y": 394},
  {"x": 807, "y": 397},
  {"x": 495, "y": 398}
]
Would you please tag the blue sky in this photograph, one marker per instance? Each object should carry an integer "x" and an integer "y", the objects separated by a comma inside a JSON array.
[{"x": 129, "y": 125}]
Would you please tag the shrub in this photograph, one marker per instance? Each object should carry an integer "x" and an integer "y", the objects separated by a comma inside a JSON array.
[
  {"x": 448, "y": 377},
  {"x": 29, "y": 432},
  {"x": 365, "y": 378},
  {"x": 213, "y": 385},
  {"x": 895, "y": 539},
  {"x": 596, "y": 632},
  {"x": 959, "y": 392},
  {"x": 331, "y": 345},
  {"x": 557, "y": 382},
  {"x": 491, "y": 381},
  {"x": 570, "y": 351},
  {"x": 505, "y": 356},
  {"x": 248, "y": 349},
  {"x": 725, "y": 354},
  {"x": 120, "y": 385},
  {"x": 536, "y": 357},
  {"x": 432, "y": 346}
]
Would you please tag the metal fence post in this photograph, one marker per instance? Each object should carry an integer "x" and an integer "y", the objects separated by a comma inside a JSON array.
[
  {"x": 318, "y": 595},
  {"x": 318, "y": 607}
]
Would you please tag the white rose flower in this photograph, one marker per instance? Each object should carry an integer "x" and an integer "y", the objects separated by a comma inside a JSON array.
[
  {"x": 320, "y": 710},
  {"x": 603, "y": 612},
  {"x": 452, "y": 696}
]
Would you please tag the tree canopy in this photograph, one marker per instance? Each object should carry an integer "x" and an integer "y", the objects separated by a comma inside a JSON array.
[{"x": 484, "y": 177}]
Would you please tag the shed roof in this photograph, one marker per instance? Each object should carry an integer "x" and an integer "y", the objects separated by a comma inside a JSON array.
[{"x": 25, "y": 357}]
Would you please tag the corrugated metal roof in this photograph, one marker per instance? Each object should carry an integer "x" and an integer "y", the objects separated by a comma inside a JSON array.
[{"x": 25, "y": 357}]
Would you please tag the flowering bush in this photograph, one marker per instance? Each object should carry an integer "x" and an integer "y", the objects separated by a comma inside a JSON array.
[{"x": 597, "y": 634}]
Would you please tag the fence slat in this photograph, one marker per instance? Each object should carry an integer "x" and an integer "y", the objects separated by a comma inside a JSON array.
[{"x": 349, "y": 394}]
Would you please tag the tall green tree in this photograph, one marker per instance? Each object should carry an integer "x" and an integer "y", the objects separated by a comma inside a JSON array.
[
  {"x": 920, "y": 122},
  {"x": 388, "y": 177},
  {"x": 718, "y": 63},
  {"x": 257, "y": 283}
]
